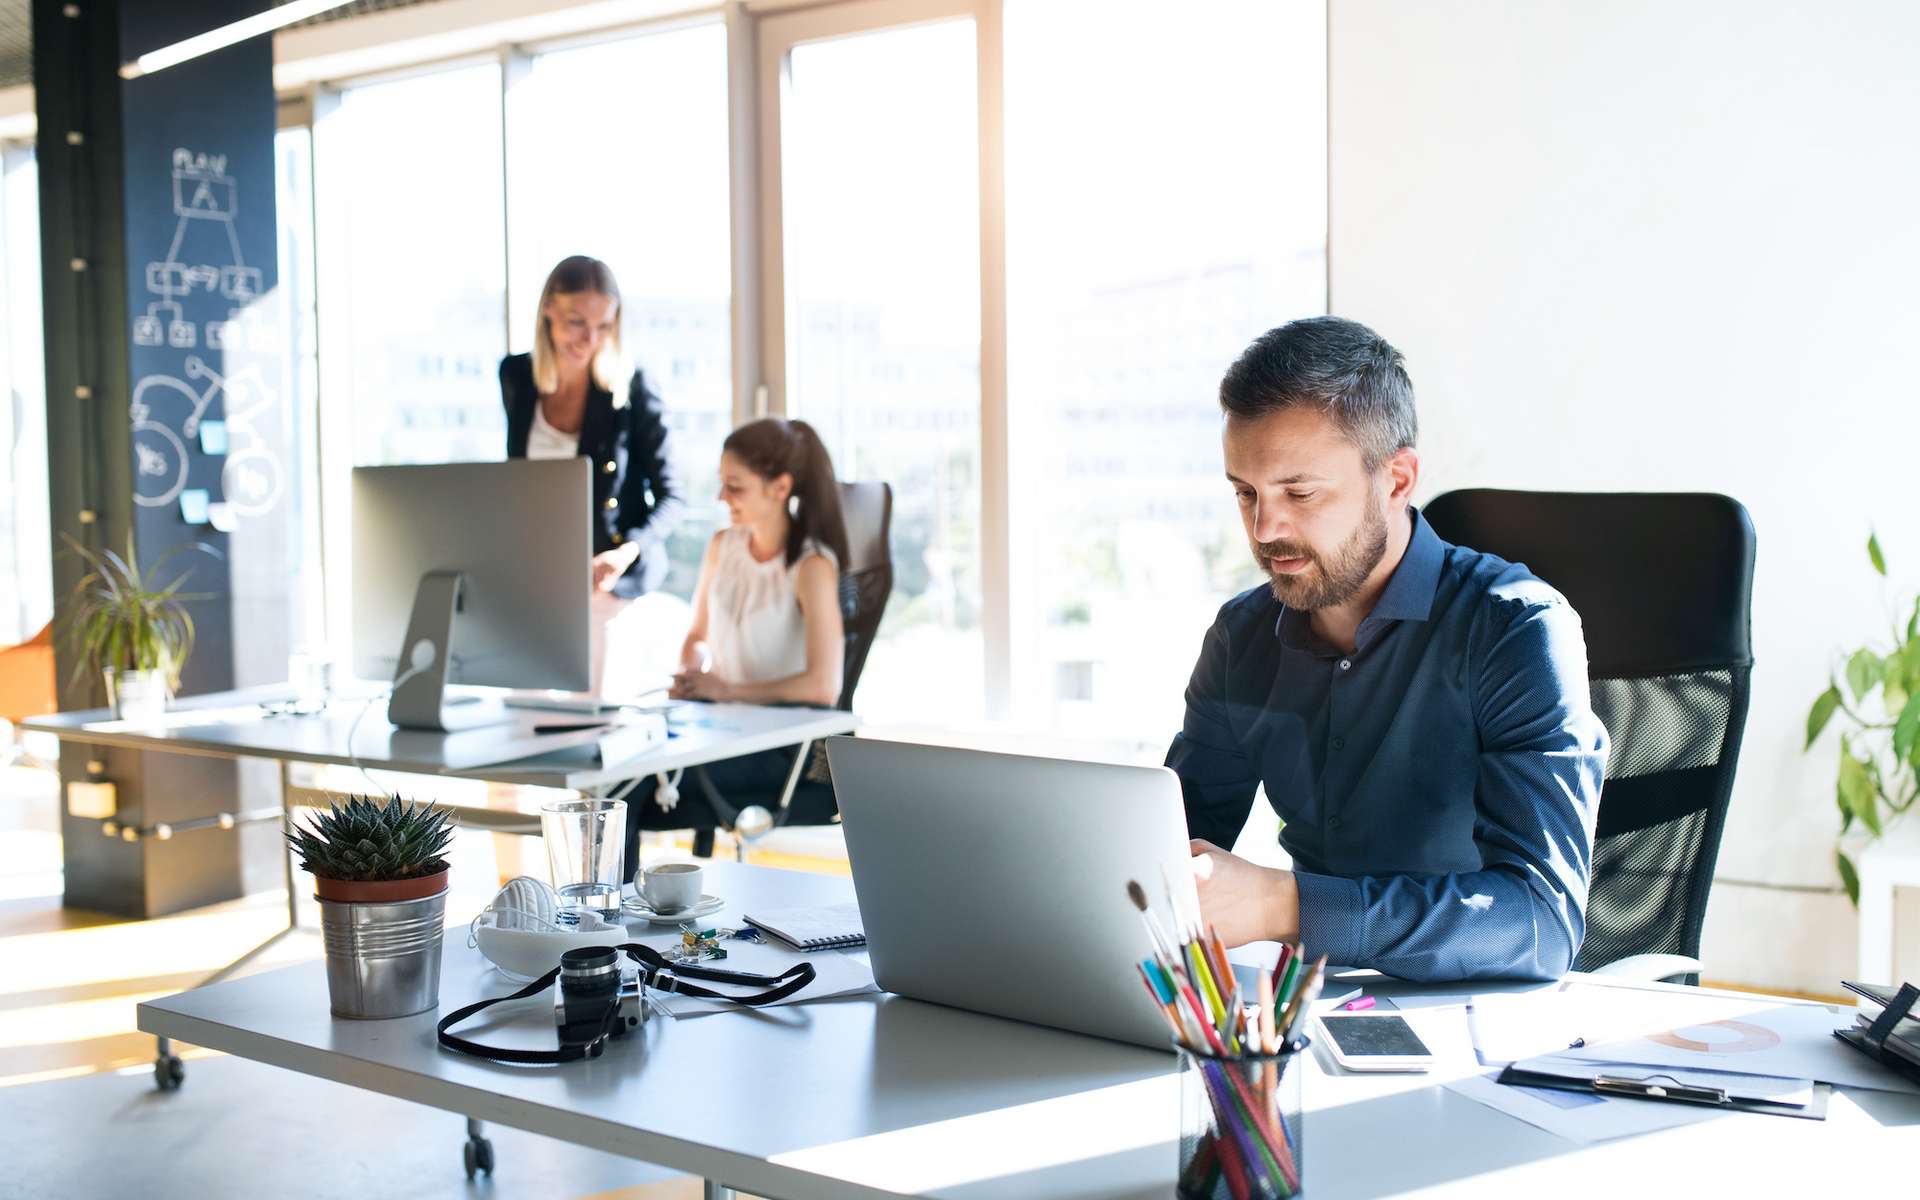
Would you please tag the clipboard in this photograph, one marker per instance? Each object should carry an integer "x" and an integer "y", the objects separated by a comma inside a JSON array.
[{"x": 1765, "y": 1094}]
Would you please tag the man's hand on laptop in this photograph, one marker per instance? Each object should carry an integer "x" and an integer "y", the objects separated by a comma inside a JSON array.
[{"x": 1244, "y": 901}]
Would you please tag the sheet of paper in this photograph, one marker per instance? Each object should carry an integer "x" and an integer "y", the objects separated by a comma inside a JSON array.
[
  {"x": 1580, "y": 1117},
  {"x": 836, "y": 973},
  {"x": 1689, "y": 1029},
  {"x": 1789, "y": 1040}
]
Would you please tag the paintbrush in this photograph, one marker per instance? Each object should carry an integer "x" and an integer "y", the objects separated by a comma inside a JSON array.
[{"x": 1161, "y": 945}]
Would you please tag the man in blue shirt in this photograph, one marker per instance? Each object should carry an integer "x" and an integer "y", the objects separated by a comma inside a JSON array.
[{"x": 1417, "y": 711}]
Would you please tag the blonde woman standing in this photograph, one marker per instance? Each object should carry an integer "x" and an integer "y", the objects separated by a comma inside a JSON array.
[{"x": 572, "y": 397}]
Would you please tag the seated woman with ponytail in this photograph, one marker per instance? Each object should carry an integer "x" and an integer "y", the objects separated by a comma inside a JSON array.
[{"x": 766, "y": 611}]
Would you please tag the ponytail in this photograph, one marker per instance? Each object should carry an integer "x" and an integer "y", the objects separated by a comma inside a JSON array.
[{"x": 772, "y": 447}]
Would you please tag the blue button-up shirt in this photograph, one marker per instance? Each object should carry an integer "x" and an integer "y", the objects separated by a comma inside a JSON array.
[{"x": 1437, "y": 787}]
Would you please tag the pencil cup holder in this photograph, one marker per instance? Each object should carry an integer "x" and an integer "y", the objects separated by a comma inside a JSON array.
[{"x": 1240, "y": 1126}]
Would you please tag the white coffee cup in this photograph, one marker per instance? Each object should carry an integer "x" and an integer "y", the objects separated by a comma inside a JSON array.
[{"x": 670, "y": 887}]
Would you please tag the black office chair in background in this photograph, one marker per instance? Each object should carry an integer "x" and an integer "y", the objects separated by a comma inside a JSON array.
[
  {"x": 866, "y": 581},
  {"x": 1664, "y": 587}
]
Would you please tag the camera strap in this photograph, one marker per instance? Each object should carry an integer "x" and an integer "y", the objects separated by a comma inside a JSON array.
[{"x": 655, "y": 972}]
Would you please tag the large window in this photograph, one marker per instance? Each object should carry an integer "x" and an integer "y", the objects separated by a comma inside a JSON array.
[
  {"x": 26, "y": 553},
  {"x": 1151, "y": 178},
  {"x": 619, "y": 150},
  {"x": 1161, "y": 212},
  {"x": 300, "y": 379},
  {"x": 880, "y": 182},
  {"x": 412, "y": 231}
]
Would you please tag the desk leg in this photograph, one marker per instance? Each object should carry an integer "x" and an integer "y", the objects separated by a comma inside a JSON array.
[
  {"x": 717, "y": 1191},
  {"x": 168, "y": 1071},
  {"x": 793, "y": 778}
]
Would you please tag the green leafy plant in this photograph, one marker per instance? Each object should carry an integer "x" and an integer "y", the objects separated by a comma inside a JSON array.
[
  {"x": 119, "y": 617},
  {"x": 1879, "y": 755},
  {"x": 365, "y": 841}
]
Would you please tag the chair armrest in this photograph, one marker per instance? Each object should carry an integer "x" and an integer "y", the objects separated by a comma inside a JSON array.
[{"x": 1649, "y": 968}]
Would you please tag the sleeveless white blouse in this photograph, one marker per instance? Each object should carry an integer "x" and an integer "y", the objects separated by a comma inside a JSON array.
[{"x": 754, "y": 623}]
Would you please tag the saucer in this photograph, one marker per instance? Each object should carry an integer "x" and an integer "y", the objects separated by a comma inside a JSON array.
[{"x": 636, "y": 908}]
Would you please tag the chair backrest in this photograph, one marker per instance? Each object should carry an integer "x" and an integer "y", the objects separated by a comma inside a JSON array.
[
  {"x": 867, "y": 579},
  {"x": 1663, "y": 584}
]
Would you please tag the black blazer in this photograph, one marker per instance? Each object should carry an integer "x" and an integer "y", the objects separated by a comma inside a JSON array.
[{"x": 635, "y": 495}]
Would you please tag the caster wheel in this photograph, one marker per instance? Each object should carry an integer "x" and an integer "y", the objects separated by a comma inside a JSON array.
[
  {"x": 169, "y": 1073},
  {"x": 477, "y": 1157}
]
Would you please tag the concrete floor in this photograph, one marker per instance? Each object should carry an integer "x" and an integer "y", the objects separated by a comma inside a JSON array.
[{"x": 80, "y": 1117}]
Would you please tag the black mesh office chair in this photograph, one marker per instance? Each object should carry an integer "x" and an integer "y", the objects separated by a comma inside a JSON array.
[
  {"x": 1664, "y": 585},
  {"x": 865, "y": 584}
]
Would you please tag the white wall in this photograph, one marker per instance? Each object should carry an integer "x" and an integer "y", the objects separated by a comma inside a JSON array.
[{"x": 1647, "y": 245}]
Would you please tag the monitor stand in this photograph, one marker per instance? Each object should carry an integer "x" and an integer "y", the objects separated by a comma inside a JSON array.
[{"x": 420, "y": 699}]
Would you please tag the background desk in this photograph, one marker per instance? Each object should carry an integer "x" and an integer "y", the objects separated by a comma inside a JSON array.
[
  {"x": 877, "y": 1096},
  {"x": 195, "y": 726}
]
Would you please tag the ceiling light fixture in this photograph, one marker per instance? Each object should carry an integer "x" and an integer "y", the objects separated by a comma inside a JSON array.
[{"x": 226, "y": 35}]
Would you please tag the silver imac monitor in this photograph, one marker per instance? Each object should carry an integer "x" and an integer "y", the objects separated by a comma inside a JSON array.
[{"x": 471, "y": 573}]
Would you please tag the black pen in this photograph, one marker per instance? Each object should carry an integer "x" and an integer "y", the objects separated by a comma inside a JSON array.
[{"x": 575, "y": 727}]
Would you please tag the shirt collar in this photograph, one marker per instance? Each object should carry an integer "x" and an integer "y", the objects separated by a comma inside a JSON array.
[{"x": 1408, "y": 595}]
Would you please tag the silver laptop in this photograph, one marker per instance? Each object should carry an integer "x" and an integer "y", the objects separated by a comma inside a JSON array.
[{"x": 998, "y": 883}]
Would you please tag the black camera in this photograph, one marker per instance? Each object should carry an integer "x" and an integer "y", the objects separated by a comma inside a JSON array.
[{"x": 590, "y": 1006}]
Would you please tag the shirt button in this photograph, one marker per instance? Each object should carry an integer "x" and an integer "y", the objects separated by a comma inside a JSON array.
[
  {"x": 1346, "y": 664},
  {"x": 609, "y": 468},
  {"x": 617, "y": 539},
  {"x": 1339, "y": 743},
  {"x": 612, "y": 504}
]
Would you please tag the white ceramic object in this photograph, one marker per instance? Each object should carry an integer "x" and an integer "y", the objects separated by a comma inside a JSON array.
[{"x": 138, "y": 695}]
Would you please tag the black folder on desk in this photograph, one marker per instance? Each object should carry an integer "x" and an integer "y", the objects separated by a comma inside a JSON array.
[
  {"x": 1732, "y": 1091},
  {"x": 1893, "y": 1037}
]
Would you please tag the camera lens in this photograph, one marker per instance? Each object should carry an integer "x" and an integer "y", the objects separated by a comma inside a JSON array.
[
  {"x": 588, "y": 962},
  {"x": 589, "y": 995}
]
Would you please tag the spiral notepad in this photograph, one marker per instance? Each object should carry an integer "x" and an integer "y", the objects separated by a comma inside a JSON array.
[{"x": 831, "y": 928}]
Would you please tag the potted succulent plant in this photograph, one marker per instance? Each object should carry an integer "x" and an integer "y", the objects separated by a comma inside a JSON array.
[
  {"x": 134, "y": 630},
  {"x": 382, "y": 886}
]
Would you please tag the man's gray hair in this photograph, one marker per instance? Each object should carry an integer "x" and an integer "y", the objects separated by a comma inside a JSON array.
[{"x": 1335, "y": 366}]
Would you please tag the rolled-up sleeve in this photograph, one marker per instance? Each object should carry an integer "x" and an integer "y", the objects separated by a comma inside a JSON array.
[
  {"x": 1542, "y": 757},
  {"x": 1217, "y": 780}
]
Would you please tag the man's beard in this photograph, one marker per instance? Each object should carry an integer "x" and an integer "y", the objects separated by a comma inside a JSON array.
[{"x": 1328, "y": 584}]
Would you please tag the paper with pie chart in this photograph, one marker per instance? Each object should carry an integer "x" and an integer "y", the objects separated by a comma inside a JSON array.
[{"x": 1793, "y": 1040}]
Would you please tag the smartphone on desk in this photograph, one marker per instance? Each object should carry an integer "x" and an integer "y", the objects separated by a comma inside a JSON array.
[{"x": 1374, "y": 1042}]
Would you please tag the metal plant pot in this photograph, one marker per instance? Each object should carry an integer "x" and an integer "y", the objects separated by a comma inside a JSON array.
[
  {"x": 137, "y": 695},
  {"x": 383, "y": 955}
]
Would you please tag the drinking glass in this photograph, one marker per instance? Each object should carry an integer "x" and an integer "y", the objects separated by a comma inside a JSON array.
[{"x": 586, "y": 847}]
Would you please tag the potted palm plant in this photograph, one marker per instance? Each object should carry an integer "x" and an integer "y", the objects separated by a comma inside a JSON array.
[
  {"x": 136, "y": 631},
  {"x": 382, "y": 885}
]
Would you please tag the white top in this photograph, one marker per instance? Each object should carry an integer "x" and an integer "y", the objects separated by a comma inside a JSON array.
[
  {"x": 544, "y": 441},
  {"x": 754, "y": 624}
]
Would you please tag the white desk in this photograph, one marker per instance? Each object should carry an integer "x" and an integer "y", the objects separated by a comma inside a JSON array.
[
  {"x": 882, "y": 1096},
  {"x": 228, "y": 725},
  {"x": 232, "y": 725}
]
